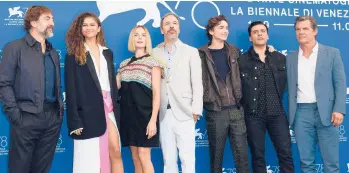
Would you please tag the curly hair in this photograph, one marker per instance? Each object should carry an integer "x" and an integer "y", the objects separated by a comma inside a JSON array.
[
  {"x": 212, "y": 22},
  {"x": 75, "y": 39}
]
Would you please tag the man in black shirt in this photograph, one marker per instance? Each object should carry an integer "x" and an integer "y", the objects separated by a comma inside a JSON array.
[
  {"x": 30, "y": 91},
  {"x": 222, "y": 94},
  {"x": 263, "y": 79}
]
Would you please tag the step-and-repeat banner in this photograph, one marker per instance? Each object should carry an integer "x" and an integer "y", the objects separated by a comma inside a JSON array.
[{"x": 119, "y": 17}]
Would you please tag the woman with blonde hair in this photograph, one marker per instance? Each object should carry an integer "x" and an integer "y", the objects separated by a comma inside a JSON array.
[
  {"x": 139, "y": 79},
  {"x": 91, "y": 94}
]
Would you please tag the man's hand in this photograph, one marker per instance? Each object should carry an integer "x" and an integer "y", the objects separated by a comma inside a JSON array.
[
  {"x": 337, "y": 118},
  {"x": 196, "y": 117},
  {"x": 271, "y": 48}
]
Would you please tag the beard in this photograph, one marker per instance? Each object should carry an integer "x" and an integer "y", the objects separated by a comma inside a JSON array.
[
  {"x": 48, "y": 33},
  {"x": 172, "y": 34}
]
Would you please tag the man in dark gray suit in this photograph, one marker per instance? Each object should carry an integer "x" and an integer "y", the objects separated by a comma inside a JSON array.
[
  {"x": 317, "y": 91},
  {"x": 30, "y": 91}
]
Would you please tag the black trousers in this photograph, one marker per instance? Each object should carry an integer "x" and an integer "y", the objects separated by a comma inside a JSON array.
[
  {"x": 278, "y": 129},
  {"x": 220, "y": 125},
  {"x": 33, "y": 141}
]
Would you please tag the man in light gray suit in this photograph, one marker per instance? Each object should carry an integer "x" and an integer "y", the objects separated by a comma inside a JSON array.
[
  {"x": 181, "y": 97},
  {"x": 317, "y": 91}
]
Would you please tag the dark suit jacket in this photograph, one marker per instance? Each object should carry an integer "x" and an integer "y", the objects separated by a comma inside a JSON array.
[
  {"x": 84, "y": 99},
  {"x": 22, "y": 77}
]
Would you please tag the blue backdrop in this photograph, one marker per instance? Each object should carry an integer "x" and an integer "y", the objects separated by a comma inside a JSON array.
[{"x": 118, "y": 19}]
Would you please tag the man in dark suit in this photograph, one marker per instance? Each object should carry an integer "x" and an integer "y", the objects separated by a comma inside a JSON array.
[
  {"x": 30, "y": 91},
  {"x": 317, "y": 91}
]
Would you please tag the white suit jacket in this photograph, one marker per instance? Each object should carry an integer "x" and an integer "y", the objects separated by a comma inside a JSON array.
[{"x": 182, "y": 87}]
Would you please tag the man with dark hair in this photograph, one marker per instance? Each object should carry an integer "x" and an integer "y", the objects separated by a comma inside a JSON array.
[
  {"x": 222, "y": 94},
  {"x": 317, "y": 91},
  {"x": 263, "y": 79},
  {"x": 30, "y": 91}
]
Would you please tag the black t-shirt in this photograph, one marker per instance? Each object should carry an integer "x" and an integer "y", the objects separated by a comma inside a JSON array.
[{"x": 220, "y": 59}]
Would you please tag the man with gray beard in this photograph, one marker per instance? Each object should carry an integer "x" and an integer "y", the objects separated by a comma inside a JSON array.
[
  {"x": 30, "y": 92},
  {"x": 181, "y": 97}
]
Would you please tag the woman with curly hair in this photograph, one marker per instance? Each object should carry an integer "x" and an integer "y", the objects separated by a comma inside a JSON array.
[{"x": 91, "y": 94}]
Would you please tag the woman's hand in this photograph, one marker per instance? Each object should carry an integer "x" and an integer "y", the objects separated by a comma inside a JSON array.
[
  {"x": 78, "y": 131},
  {"x": 151, "y": 129}
]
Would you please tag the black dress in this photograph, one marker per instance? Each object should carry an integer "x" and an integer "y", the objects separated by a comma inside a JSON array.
[{"x": 136, "y": 101}]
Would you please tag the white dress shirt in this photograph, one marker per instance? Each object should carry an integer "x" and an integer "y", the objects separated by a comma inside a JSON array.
[
  {"x": 306, "y": 76},
  {"x": 102, "y": 72}
]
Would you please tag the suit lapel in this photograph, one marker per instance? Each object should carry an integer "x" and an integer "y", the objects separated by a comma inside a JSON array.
[
  {"x": 91, "y": 68},
  {"x": 161, "y": 54},
  {"x": 176, "y": 59},
  {"x": 209, "y": 62},
  {"x": 294, "y": 66},
  {"x": 320, "y": 61},
  {"x": 55, "y": 60},
  {"x": 54, "y": 57},
  {"x": 110, "y": 70}
]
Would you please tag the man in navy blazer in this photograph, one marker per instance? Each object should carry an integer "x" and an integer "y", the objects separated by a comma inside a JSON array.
[{"x": 317, "y": 91}]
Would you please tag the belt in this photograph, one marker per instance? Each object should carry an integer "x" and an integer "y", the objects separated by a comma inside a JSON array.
[{"x": 168, "y": 106}]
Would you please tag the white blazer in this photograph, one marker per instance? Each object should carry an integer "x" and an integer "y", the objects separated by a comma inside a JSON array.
[{"x": 182, "y": 87}]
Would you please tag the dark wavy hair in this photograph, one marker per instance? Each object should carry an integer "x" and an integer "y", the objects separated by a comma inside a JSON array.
[
  {"x": 75, "y": 39},
  {"x": 257, "y": 23},
  {"x": 212, "y": 22},
  {"x": 33, "y": 14}
]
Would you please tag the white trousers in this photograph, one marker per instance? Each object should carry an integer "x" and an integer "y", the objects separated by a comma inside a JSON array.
[
  {"x": 86, "y": 153},
  {"x": 177, "y": 134}
]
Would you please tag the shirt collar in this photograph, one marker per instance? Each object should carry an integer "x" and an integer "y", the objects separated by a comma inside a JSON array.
[
  {"x": 315, "y": 49},
  {"x": 32, "y": 41},
  {"x": 254, "y": 54},
  {"x": 101, "y": 48},
  {"x": 174, "y": 46}
]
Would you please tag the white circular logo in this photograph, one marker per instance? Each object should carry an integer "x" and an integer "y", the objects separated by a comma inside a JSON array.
[{"x": 193, "y": 9}]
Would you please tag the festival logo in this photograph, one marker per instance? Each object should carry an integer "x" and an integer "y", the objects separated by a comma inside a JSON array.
[
  {"x": 229, "y": 170},
  {"x": 16, "y": 16},
  {"x": 273, "y": 169},
  {"x": 201, "y": 139},
  {"x": 319, "y": 168},
  {"x": 59, "y": 147},
  {"x": 293, "y": 137},
  {"x": 342, "y": 137},
  {"x": 4, "y": 144},
  {"x": 108, "y": 8}
]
